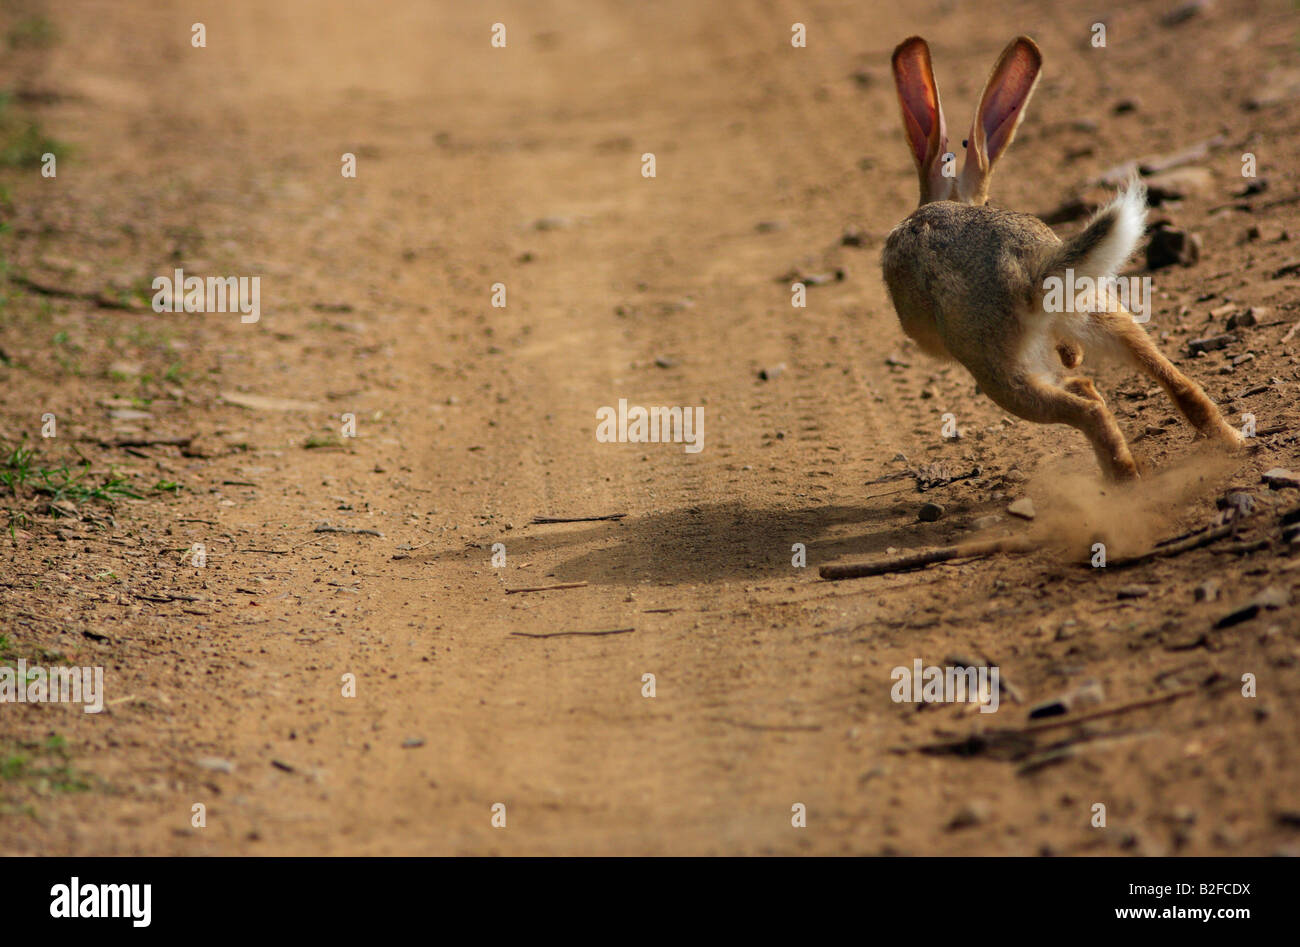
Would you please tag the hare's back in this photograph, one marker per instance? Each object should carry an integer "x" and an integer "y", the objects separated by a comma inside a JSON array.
[{"x": 977, "y": 247}]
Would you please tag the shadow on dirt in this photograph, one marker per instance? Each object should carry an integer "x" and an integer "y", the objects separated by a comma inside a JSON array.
[{"x": 716, "y": 542}]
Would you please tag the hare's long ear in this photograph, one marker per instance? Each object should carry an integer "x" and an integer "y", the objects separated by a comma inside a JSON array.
[
  {"x": 1002, "y": 105},
  {"x": 918, "y": 96}
]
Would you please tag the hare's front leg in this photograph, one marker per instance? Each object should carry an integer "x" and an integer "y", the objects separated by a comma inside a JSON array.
[{"x": 1076, "y": 403}]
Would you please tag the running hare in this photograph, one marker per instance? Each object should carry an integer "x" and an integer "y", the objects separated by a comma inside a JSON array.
[{"x": 967, "y": 280}]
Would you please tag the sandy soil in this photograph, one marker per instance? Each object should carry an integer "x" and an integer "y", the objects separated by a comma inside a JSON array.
[{"x": 479, "y": 165}]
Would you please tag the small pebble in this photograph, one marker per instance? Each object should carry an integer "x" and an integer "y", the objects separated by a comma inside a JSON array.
[
  {"x": 929, "y": 512},
  {"x": 1023, "y": 508},
  {"x": 1280, "y": 478}
]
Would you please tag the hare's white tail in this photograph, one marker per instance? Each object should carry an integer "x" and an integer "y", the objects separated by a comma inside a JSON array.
[
  {"x": 1095, "y": 255},
  {"x": 1104, "y": 246}
]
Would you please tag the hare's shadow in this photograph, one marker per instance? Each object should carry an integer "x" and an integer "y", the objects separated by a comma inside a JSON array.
[{"x": 716, "y": 542}]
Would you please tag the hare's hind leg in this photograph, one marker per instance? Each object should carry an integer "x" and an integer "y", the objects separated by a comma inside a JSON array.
[
  {"x": 1075, "y": 403},
  {"x": 1187, "y": 395}
]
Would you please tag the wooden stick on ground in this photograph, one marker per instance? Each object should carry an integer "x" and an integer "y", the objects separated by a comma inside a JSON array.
[
  {"x": 568, "y": 634},
  {"x": 1176, "y": 548},
  {"x": 918, "y": 560},
  {"x": 577, "y": 519},
  {"x": 149, "y": 442},
  {"x": 548, "y": 588}
]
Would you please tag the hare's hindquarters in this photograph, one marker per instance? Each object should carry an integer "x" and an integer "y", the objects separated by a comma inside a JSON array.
[
  {"x": 1098, "y": 252},
  {"x": 957, "y": 273}
]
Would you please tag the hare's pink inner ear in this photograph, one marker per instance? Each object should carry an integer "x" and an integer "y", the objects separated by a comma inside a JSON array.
[
  {"x": 1003, "y": 103},
  {"x": 918, "y": 97}
]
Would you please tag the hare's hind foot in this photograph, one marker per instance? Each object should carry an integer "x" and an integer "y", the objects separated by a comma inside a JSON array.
[
  {"x": 1074, "y": 402},
  {"x": 1102, "y": 430}
]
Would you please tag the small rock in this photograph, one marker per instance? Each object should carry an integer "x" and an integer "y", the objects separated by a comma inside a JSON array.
[
  {"x": 1023, "y": 508},
  {"x": 63, "y": 508},
  {"x": 129, "y": 414},
  {"x": 1270, "y": 598},
  {"x": 1184, "y": 12},
  {"x": 267, "y": 402},
  {"x": 1241, "y": 504},
  {"x": 1211, "y": 343},
  {"x": 930, "y": 513},
  {"x": 973, "y": 813},
  {"x": 1275, "y": 596},
  {"x": 216, "y": 764},
  {"x": 986, "y": 522},
  {"x": 1178, "y": 183},
  {"x": 1184, "y": 815},
  {"x": 551, "y": 223},
  {"x": 853, "y": 237},
  {"x": 812, "y": 279},
  {"x": 1170, "y": 245},
  {"x": 1133, "y": 591},
  {"x": 1276, "y": 88},
  {"x": 1086, "y": 694},
  {"x": 1280, "y": 478},
  {"x": 410, "y": 743},
  {"x": 1243, "y": 320},
  {"x": 1207, "y": 591},
  {"x": 125, "y": 369},
  {"x": 1238, "y": 615},
  {"x": 772, "y": 373},
  {"x": 665, "y": 361}
]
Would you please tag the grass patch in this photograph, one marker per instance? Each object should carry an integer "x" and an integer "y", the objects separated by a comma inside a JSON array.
[
  {"x": 23, "y": 476},
  {"x": 43, "y": 767},
  {"x": 10, "y": 653},
  {"x": 23, "y": 143},
  {"x": 33, "y": 32}
]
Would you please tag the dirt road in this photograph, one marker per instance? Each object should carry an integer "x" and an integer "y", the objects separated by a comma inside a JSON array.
[{"x": 523, "y": 165}]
